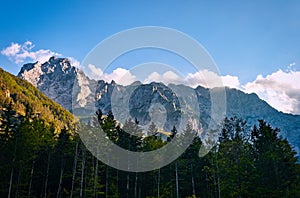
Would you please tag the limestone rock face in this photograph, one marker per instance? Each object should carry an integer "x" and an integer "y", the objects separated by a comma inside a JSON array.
[
  {"x": 71, "y": 88},
  {"x": 57, "y": 78}
]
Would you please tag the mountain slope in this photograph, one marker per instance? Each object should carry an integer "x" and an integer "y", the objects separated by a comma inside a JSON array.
[
  {"x": 58, "y": 79},
  {"x": 251, "y": 108},
  {"x": 22, "y": 97},
  {"x": 238, "y": 104}
]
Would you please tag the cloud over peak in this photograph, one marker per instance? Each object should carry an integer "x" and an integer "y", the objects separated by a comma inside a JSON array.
[
  {"x": 204, "y": 78},
  {"x": 119, "y": 75},
  {"x": 19, "y": 53},
  {"x": 280, "y": 89}
]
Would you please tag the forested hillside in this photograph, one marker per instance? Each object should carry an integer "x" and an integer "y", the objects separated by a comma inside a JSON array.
[
  {"x": 20, "y": 98},
  {"x": 41, "y": 155}
]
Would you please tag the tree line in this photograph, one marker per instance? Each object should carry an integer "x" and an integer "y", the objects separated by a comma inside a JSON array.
[{"x": 36, "y": 161}]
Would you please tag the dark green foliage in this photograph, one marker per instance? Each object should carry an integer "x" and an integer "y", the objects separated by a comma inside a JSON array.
[
  {"x": 275, "y": 163},
  {"x": 130, "y": 136},
  {"x": 233, "y": 155},
  {"x": 25, "y": 99},
  {"x": 42, "y": 156}
]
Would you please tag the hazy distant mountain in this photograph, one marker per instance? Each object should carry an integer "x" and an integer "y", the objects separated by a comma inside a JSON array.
[
  {"x": 247, "y": 106},
  {"x": 58, "y": 79}
]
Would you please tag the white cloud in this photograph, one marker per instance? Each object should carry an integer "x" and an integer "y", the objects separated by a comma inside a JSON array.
[
  {"x": 166, "y": 78},
  {"x": 280, "y": 89},
  {"x": 125, "y": 77},
  {"x": 119, "y": 75},
  {"x": 292, "y": 64},
  {"x": 204, "y": 78},
  {"x": 210, "y": 79},
  {"x": 93, "y": 72},
  {"x": 12, "y": 50},
  {"x": 18, "y": 53},
  {"x": 74, "y": 61}
]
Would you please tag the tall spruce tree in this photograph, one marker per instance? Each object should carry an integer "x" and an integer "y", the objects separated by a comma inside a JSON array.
[{"x": 275, "y": 162}]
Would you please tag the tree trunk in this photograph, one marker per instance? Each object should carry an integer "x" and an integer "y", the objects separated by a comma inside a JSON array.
[
  {"x": 74, "y": 168},
  {"x": 158, "y": 183},
  {"x": 127, "y": 185},
  {"x": 171, "y": 183},
  {"x": 31, "y": 176},
  {"x": 47, "y": 175},
  {"x": 218, "y": 176},
  {"x": 215, "y": 184},
  {"x": 106, "y": 182},
  {"x": 140, "y": 191},
  {"x": 135, "y": 185},
  {"x": 18, "y": 183},
  {"x": 82, "y": 172},
  {"x": 193, "y": 182},
  {"x": 96, "y": 178},
  {"x": 10, "y": 182},
  {"x": 117, "y": 186},
  {"x": 60, "y": 179},
  {"x": 176, "y": 174}
]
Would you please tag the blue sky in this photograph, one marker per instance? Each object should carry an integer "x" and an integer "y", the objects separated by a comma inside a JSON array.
[{"x": 245, "y": 38}]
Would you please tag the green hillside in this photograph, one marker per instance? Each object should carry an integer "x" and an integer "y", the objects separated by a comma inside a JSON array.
[
  {"x": 22, "y": 97},
  {"x": 32, "y": 130},
  {"x": 42, "y": 156}
]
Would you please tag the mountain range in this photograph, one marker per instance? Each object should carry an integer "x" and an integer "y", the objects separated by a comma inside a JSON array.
[{"x": 75, "y": 91}]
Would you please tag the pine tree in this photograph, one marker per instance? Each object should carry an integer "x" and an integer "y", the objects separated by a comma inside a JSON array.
[
  {"x": 275, "y": 162},
  {"x": 233, "y": 159}
]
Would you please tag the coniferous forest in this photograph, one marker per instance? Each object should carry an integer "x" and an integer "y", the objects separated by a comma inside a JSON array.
[
  {"x": 36, "y": 161},
  {"x": 41, "y": 155},
  {"x": 150, "y": 99}
]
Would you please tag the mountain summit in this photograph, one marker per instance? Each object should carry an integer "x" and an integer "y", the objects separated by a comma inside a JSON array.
[
  {"x": 56, "y": 78},
  {"x": 70, "y": 87}
]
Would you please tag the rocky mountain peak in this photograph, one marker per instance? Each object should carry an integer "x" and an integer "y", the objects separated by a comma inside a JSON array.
[
  {"x": 56, "y": 78},
  {"x": 58, "y": 64},
  {"x": 31, "y": 72},
  {"x": 71, "y": 88}
]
